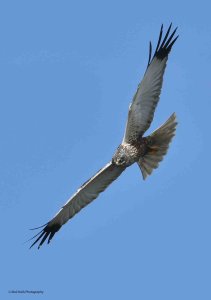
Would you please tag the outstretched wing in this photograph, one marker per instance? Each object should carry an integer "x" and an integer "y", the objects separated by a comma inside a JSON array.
[
  {"x": 143, "y": 106},
  {"x": 85, "y": 194}
]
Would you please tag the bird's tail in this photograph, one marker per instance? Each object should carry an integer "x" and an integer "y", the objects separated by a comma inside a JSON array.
[{"x": 158, "y": 144}]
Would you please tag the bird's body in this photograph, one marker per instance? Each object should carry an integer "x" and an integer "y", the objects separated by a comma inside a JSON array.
[
  {"x": 147, "y": 151},
  {"x": 129, "y": 153}
]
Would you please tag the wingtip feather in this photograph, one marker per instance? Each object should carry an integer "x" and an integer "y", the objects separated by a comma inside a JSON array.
[
  {"x": 164, "y": 46},
  {"x": 47, "y": 232}
]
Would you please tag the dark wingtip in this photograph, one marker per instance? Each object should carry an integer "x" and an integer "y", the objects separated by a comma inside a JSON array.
[
  {"x": 39, "y": 226},
  {"x": 48, "y": 231},
  {"x": 150, "y": 53},
  {"x": 172, "y": 43},
  {"x": 167, "y": 44},
  {"x": 160, "y": 37},
  {"x": 39, "y": 237},
  {"x": 163, "y": 48}
]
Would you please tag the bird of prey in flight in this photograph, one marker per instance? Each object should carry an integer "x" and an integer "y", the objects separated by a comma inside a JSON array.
[{"x": 146, "y": 151}]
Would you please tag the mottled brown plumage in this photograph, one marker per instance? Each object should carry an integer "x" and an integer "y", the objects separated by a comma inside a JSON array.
[{"x": 129, "y": 153}]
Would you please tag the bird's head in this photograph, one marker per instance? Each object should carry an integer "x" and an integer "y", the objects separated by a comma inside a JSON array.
[{"x": 120, "y": 157}]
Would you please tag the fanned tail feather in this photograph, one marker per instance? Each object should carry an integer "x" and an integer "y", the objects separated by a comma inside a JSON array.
[{"x": 158, "y": 144}]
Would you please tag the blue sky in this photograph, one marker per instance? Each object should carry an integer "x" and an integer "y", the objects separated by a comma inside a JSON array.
[{"x": 68, "y": 71}]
